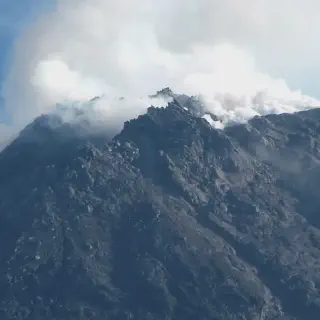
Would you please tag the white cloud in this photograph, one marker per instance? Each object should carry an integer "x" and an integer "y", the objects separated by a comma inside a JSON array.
[{"x": 136, "y": 47}]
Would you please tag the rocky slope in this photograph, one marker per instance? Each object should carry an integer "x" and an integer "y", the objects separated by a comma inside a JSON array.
[{"x": 172, "y": 219}]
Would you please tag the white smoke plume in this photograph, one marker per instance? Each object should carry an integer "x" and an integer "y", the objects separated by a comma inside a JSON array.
[{"x": 133, "y": 48}]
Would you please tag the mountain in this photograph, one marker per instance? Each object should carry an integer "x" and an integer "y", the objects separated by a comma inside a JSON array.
[{"x": 170, "y": 219}]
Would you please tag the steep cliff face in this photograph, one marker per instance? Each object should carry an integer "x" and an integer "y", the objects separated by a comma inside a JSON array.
[{"x": 171, "y": 219}]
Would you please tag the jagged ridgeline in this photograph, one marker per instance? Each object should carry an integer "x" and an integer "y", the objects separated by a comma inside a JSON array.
[{"x": 170, "y": 219}]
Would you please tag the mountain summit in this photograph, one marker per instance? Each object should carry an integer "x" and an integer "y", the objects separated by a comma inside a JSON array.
[{"x": 170, "y": 219}]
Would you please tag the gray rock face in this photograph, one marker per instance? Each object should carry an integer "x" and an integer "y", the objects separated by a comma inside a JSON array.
[{"x": 172, "y": 219}]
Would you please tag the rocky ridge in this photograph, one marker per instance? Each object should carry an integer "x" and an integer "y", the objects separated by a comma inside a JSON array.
[{"x": 171, "y": 219}]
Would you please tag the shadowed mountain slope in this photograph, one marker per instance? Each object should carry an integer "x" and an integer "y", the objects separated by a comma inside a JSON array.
[{"x": 171, "y": 219}]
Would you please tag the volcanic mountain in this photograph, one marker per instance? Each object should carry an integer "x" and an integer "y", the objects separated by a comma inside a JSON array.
[{"x": 170, "y": 219}]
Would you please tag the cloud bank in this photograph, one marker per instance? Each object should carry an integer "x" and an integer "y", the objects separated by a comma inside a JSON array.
[{"x": 132, "y": 48}]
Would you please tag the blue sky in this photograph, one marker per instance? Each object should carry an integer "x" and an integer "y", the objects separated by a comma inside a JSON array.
[{"x": 15, "y": 15}]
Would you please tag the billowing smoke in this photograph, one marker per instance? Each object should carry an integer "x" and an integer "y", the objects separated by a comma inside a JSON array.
[{"x": 132, "y": 48}]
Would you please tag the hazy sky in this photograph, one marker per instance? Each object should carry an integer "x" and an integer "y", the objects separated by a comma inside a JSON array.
[
  {"x": 15, "y": 17},
  {"x": 247, "y": 57}
]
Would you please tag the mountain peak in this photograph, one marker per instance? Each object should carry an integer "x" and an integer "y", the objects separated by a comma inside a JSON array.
[
  {"x": 76, "y": 120},
  {"x": 171, "y": 219},
  {"x": 164, "y": 93}
]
